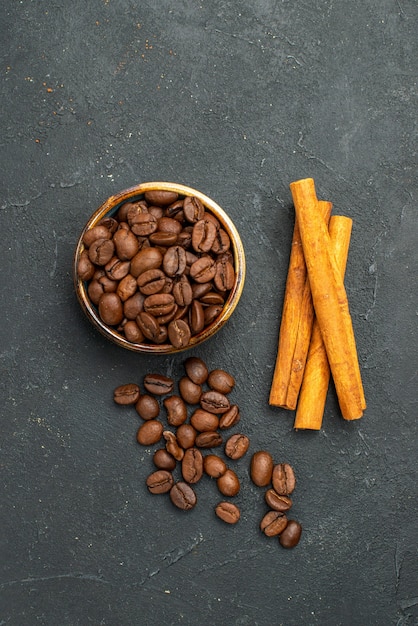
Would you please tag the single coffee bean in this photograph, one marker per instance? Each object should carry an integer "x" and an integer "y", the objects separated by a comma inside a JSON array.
[
  {"x": 149, "y": 433},
  {"x": 182, "y": 291},
  {"x": 183, "y": 496},
  {"x": 126, "y": 287},
  {"x": 132, "y": 332},
  {"x": 101, "y": 251},
  {"x": 193, "y": 208},
  {"x": 174, "y": 262},
  {"x": 172, "y": 445},
  {"x": 85, "y": 268},
  {"x": 110, "y": 309},
  {"x": 228, "y": 512},
  {"x": 222, "y": 242},
  {"x": 200, "y": 289},
  {"x": 277, "y": 502},
  {"x": 290, "y": 536},
  {"x": 283, "y": 479},
  {"x": 261, "y": 468},
  {"x": 196, "y": 370},
  {"x": 133, "y": 306},
  {"x": 126, "y": 244},
  {"x": 214, "y": 466},
  {"x": 208, "y": 439},
  {"x": 117, "y": 269},
  {"x": 203, "y": 270},
  {"x": 160, "y": 197},
  {"x": 203, "y": 421},
  {"x": 169, "y": 225},
  {"x": 146, "y": 259},
  {"x": 211, "y": 312},
  {"x": 203, "y": 235},
  {"x": 94, "y": 234},
  {"x": 186, "y": 436},
  {"x": 228, "y": 484},
  {"x": 126, "y": 394},
  {"x": 147, "y": 407},
  {"x": 151, "y": 281},
  {"x": 214, "y": 402},
  {"x": 164, "y": 460},
  {"x": 230, "y": 418},
  {"x": 148, "y": 326},
  {"x": 196, "y": 317},
  {"x": 176, "y": 410},
  {"x": 225, "y": 276},
  {"x": 236, "y": 446},
  {"x": 159, "y": 304},
  {"x": 179, "y": 333},
  {"x": 161, "y": 238},
  {"x": 273, "y": 523},
  {"x": 212, "y": 298},
  {"x": 160, "y": 481},
  {"x": 158, "y": 384},
  {"x": 221, "y": 381},
  {"x": 143, "y": 224},
  {"x": 189, "y": 391},
  {"x": 192, "y": 465}
]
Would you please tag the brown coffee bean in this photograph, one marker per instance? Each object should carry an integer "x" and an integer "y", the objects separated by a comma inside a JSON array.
[
  {"x": 214, "y": 402},
  {"x": 172, "y": 445},
  {"x": 225, "y": 276},
  {"x": 208, "y": 439},
  {"x": 222, "y": 242},
  {"x": 283, "y": 479},
  {"x": 126, "y": 244},
  {"x": 196, "y": 317},
  {"x": 179, "y": 333},
  {"x": 143, "y": 224},
  {"x": 132, "y": 332},
  {"x": 277, "y": 502},
  {"x": 186, "y": 436},
  {"x": 290, "y": 536},
  {"x": 228, "y": 512},
  {"x": 148, "y": 326},
  {"x": 203, "y": 270},
  {"x": 203, "y": 421},
  {"x": 174, "y": 262},
  {"x": 126, "y": 394},
  {"x": 146, "y": 259},
  {"x": 214, "y": 466},
  {"x": 117, "y": 269},
  {"x": 203, "y": 235},
  {"x": 126, "y": 287},
  {"x": 176, "y": 410},
  {"x": 182, "y": 291},
  {"x": 147, "y": 407},
  {"x": 110, "y": 309},
  {"x": 193, "y": 208},
  {"x": 183, "y": 496},
  {"x": 158, "y": 384},
  {"x": 151, "y": 281},
  {"x": 160, "y": 481},
  {"x": 189, "y": 391},
  {"x": 230, "y": 418},
  {"x": 221, "y": 381},
  {"x": 261, "y": 468},
  {"x": 228, "y": 484},
  {"x": 100, "y": 231},
  {"x": 236, "y": 446},
  {"x": 159, "y": 304},
  {"x": 211, "y": 312},
  {"x": 273, "y": 523},
  {"x": 160, "y": 197},
  {"x": 164, "y": 460},
  {"x": 196, "y": 370},
  {"x": 149, "y": 433},
  {"x": 212, "y": 298},
  {"x": 101, "y": 251},
  {"x": 85, "y": 268},
  {"x": 133, "y": 306},
  {"x": 160, "y": 238},
  {"x": 192, "y": 465}
]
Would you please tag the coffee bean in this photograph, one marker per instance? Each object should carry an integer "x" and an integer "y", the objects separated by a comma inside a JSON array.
[
  {"x": 222, "y": 241},
  {"x": 126, "y": 287},
  {"x": 276, "y": 501},
  {"x": 224, "y": 276},
  {"x": 159, "y": 304},
  {"x": 196, "y": 317},
  {"x": 261, "y": 468},
  {"x": 158, "y": 384},
  {"x": 147, "y": 407},
  {"x": 151, "y": 281},
  {"x": 117, "y": 269},
  {"x": 143, "y": 224},
  {"x": 203, "y": 270},
  {"x": 132, "y": 332},
  {"x": 85, "y": 268},
  {"x": 160, "y": 481},
  {"x": 179, "y": 333},
  {"x": 230, "y": 418},
  {"x": 176, "y": 410},
  {"x": 192, "y": 465},
  {"x": 214, "y": 402},
  {"x": 193, "y": 208},
  {"x": 196, "y": 370},
  {"x": 273, "y": 523},
  {"x": 182, "y": 291},
  {"x": 186, "y": 436},
  {"x": 208, "y": 439},
  {"x": 110, "y": 309},
  {"x": 126, "y": 394},
  {"x": 126, "y": 244},
  {"x": 211, "y": 312},
  {"x": 161, "y": 197},
  {"x": 189, "y": 391},
  {"x": 133, "y": 306},
  {"x": 203, "y": 236},
  {"x": 101, "y": 251},
  {"x": 221, "y": 381},
  {"x": 174, "y": 261},
  {"x": 148, "y": 326},
  {"x": 146, "y": 259},
  {"x": 236, "y": 446},
  {"x": 149, "y": 433},
  {"x": 283, "y": 479},
  {"x": 172, "y": 445},
  {"x": 290, "y": 536},
  {"x": 100, "y": 231},
  {"x": 228, "y": 512},
  {"x": 214, "y": 466},
  {"x": 203, "y": 421},
  {"x": 164, "y": 460},
  {"x": 183, "y": 496},
  {"x": 228, "y": 484}
]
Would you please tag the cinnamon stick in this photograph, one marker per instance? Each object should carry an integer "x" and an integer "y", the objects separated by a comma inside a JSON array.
[
  {"x": 296, "y": 324},
  {"x": 329, "y": 299},
  {"x": 313, "y": 393}
]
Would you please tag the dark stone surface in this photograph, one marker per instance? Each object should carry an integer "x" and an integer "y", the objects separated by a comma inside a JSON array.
[{"x": 236, "y": 101}]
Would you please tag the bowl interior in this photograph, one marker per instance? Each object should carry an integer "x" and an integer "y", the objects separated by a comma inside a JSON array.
[{"x": 108, "y": 209}]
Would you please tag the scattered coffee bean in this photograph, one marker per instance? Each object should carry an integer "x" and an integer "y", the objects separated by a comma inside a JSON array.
[
  {"x": 214, "y": 466},
  {"x": 283, "y": 479},
  {"x": 183, "y": 496},
  {"x": 214, "y": 402},
  {"x": 186, "y": 436},
  {"x": 236, "y": 446},
  {"x": 172, "y": 445},
  {"x": 158, "y": 384},
  {"x": 221, "y": 381},
  {"x": 276, "y": 501},
  {"x": 261, "y": 468},
  {"x": 203, "y": 421},
  {"x": 176, "y": 410},
  {"x": 228, "y": 484},
  {"x": 196, "y": 370},
  {"x": 290, "y": 536},
  {"x": 189, "y": 391},
  {"x": 164, "y": 460},
  {"x": 149, "y": 433},
  {"x": 126, "y": 394},
  {"x": 228, "y": 512},
  {"x": 160, "y": 481},
  {"x": 147, "y": 407},
  {"x": 192, "y": 465},
  {"x": 273, "y": 523},
  {"x": 208, "y": 439},
  {"x": 230, "y": 418}
]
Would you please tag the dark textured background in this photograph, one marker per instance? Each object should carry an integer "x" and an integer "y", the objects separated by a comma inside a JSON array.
[{"x": 236, "y": 100}]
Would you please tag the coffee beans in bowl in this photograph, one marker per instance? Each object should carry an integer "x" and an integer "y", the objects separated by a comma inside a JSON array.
[{"x": 159, "y": 268}]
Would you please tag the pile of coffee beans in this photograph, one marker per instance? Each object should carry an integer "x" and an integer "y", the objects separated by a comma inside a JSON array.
[
  {"x": 197, "y": 413},
  {"x": 186, "y": 421},
  {"x": 280, "y": 481},
  {"x": 160, "y": 271}
]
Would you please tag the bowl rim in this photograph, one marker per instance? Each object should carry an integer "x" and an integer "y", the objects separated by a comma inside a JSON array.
[{"x": 111, "y": 205}]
